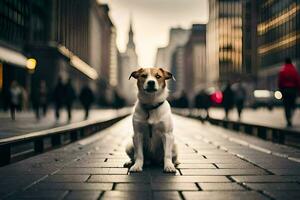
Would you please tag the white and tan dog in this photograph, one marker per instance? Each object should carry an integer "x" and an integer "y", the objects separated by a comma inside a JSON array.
[{"x": 153, "y": 138}]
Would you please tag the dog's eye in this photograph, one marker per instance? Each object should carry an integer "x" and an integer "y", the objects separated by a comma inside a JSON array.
[
  {"x": 144, "y": 75},
  {"x": 157, "y": 76}
]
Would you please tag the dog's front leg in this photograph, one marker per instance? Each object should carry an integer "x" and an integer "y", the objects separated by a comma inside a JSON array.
[
  {"x": 138, "y": 153},
  {"x": 168, "y": 142}
]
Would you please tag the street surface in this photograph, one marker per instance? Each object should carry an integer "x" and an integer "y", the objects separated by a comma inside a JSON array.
[
  {"x": 26, "y": 121},
  {"x": 215, "y": 164},
  {"x": 273, "y": 118}
]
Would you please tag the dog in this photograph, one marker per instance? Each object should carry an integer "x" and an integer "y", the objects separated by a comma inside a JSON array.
[{"x": 153, "y": 138}]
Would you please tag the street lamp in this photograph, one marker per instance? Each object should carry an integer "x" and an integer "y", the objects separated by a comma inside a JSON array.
[{"x": 31, "y": 64}]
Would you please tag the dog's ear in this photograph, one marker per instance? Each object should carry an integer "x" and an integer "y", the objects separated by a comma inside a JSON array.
[
  {"x": 167, "y": 75},
  {"x": 135, "y": 74}
]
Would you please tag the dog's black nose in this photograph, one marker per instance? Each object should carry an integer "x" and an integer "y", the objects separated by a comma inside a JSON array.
[{"x": 151, "y": 83}]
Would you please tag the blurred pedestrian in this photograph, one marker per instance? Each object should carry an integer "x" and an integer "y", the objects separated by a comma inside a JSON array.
[
  {"x": 289, "y": 85},
  {"x": 58, "y": 97},
  {"x": 202, "y": 101},
  {"x": 40, "y": 99},
  {"x": 240, "y": 97},
  {"x": 70, "y": 97},
  {"x": 86, "y": 98},
  {"x": 15, "y": 94},
  {"x": 228, "y": 99}
]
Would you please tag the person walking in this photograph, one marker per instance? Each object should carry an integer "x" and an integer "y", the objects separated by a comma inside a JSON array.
[
  {"x": 15, "y": 94},
  {"x": 86, "y": 98},
  {"x": 202, "y": 101},
  {"x": 240, "y": 97},
  {"x": 289, "y": 85},
  {"x": 228, "y": 99},
  {"x": 70, "y": 97},
  {"x": 58, "y": 97},
  {"x": 40, "y": 99}
]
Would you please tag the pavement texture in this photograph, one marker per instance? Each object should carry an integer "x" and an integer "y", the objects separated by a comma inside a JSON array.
[
  {"x": 26, "y": 122},
  {"x": 215, "y": 164}
]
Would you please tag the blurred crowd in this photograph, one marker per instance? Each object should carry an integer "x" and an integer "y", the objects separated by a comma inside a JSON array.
[
  {"x": 235, "y": 95},
  {"x": 63, "y": 97}
]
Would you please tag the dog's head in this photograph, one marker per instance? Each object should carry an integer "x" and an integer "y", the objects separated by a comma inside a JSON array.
[{"x": 151, "y": 80}]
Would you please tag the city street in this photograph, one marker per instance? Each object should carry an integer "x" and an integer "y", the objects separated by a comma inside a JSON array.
[
  {"x": 215, "y": 164},
  {"x": 26, "y": 122}
]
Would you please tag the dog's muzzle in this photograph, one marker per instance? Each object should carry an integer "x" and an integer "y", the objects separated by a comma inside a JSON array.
[{"x": 150, "y": 87}]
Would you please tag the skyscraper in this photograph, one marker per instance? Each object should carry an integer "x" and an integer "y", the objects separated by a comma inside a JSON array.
[
  {"x": 129, "y": 63},
  {"x": 195, "y": 62},
  {"x": 278, "y": 37},
  {"x": 224, "y": 38}
]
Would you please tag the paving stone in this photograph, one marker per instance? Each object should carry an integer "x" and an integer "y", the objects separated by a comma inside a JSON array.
[
  {"x": 84, "y": 171},
  {"x": 235, "y": 166},
  {"x": 73, "y": 186},
  {"x": 174, "y": 186},
  {"x": 134, "y": 195},
  {"x": 83, "y": 195},
  {"x": 220, "y": 186},
  {"x": 119, "y": 178},
  {"x": 265, "y": 179},
  {"x": 133, "y": 186},
  {"x": 93, "y": 171},
  {"x": 100, "y": 164},
  {"x": 223, "y": 195},
  {"x": 284, "y": 194},
  {"x": 195, "y": 166},
  {"x": 166, "y": 195},
  {"x": 190, "y": 179},
  {"x": 49, "y": 194},
  {"x": 66, "y": 178},
  {"x": 286, "y": 171},
  {"x": 273, "y": 186},
  {"x": 221, "y": 172}
]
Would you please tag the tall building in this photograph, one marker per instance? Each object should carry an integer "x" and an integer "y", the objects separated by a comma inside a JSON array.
[
  {"x": 224, "y": 40},
  {"x": 195, "y": 77},
  {"x": 178, "y": 69},
  {"x": 129, "y": 63},
  {"x": 250, "y": 20},
  {"x": 278, "y": 37},
  {"x": 21, "y": 24},
  {"x": 69, "y": 40},
  {"x": 177, "y": 37},
  {"x": 106, "y": 53}
]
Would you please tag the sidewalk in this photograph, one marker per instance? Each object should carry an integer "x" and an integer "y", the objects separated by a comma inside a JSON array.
[
  {"x": 26, "y": 121},
  {"x": 274, "y": 118},
  {"x": 215, "y": 164}
]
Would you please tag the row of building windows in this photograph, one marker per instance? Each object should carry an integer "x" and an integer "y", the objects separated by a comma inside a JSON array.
[
  {"x": 278, "y": 32},
  {"x": 13, "y": 17}
]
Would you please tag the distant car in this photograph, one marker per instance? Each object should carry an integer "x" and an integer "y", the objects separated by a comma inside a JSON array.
[{"x": 266, "y": 98}]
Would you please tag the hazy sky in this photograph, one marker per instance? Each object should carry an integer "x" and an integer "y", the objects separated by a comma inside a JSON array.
[{"x": 152, "y": 20}]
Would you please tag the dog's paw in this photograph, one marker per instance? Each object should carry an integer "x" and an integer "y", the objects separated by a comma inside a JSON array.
[
  {"x": 169, "y": 168},
  {"x": 128, "y": 164},
  {"x": 136, "y": 168}
]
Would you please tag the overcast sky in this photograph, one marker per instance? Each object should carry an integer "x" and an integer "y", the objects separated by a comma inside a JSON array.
[{"x": 152, "y": 20}]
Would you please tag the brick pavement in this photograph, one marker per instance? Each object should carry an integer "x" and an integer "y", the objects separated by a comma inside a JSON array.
[{"x": 215, "y": 164}]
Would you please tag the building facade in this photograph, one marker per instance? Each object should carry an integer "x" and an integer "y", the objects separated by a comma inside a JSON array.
[
  {"x": 195, "y": 70},
  {"x": 224, "y": 40},
  {"x": 178, "y": 68},
  {"x": 74, "y": 41},
  {"x": 129, "y": 63},
  {"x": 22, "y": 22},
  {"x": 177, "y": 37},
  {"x": 278, "y": 37},
  {"x": 250, "y": 37}
]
